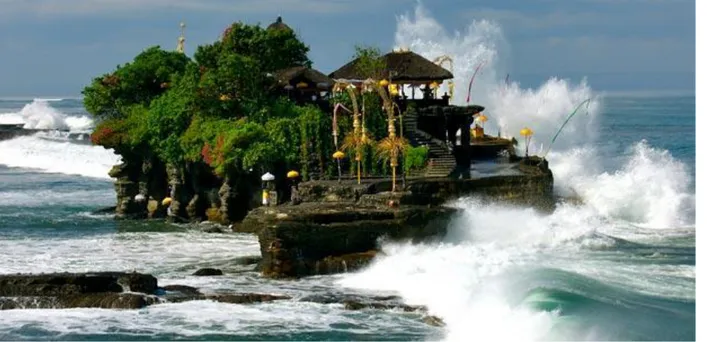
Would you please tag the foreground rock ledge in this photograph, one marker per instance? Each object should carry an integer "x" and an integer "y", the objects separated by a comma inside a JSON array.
[
  {"x": 105, "y": 290},
  {"x": 339, "y": 227}
]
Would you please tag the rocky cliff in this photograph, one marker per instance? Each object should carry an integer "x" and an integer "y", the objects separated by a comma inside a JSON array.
[
  {"x": 195, "y": 193},
  {"x": 337, "y": 227}
]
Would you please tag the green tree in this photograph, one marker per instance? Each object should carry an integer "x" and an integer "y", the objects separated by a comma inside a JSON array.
[
  {"x": 272, "y": 49},
  {"x": 149, "y": 75}
]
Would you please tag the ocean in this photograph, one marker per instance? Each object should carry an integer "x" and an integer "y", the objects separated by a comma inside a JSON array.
[{"x": 619, "y": 265}]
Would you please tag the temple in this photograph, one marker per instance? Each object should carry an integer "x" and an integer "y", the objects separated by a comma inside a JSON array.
[
  {"x": 413, "y": 81},
  {"x": 453, "y": 134}
]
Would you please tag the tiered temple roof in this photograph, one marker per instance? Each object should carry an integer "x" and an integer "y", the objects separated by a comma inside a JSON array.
[
  {"x": 295, "y": 75},
  {"x": 400, "y": 67}
]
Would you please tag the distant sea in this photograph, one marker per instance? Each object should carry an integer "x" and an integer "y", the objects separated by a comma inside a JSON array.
[{"x": 619, "y": 266}]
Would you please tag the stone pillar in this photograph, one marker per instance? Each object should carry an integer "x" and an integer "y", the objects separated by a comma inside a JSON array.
[
  {"x": 126, "y": 187},
  {"x": 178, "y": 191}
]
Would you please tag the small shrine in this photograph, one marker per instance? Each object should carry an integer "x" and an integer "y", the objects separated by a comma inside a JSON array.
[
  {"x": 453, "y": 134},
  {"x": 304, "y": 85},
  {"x": 410, "y": 78}
]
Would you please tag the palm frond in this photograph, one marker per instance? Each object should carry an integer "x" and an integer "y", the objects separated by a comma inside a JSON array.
[
  {"x": 356, "y": 142},
  {"x": 391, "y": 148}
]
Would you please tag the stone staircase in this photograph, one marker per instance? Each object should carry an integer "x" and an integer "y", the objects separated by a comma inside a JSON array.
[{"x": 441, "y": 159}]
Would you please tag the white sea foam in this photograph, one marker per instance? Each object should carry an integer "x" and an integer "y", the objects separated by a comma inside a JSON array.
[
  {"x": 39, "y": 114},
  {"x": 57, "y": 157},
  {"x": 172, "y": 257},
  {"x": 650, "y": 189},
  {"x": 469, "y": 280},
  {"x": 150, "y": 252},
  {"x": 199, "y": 318}
]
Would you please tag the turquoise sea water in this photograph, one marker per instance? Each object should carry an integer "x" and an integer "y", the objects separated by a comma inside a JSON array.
[{"x": 620, "y": 266}]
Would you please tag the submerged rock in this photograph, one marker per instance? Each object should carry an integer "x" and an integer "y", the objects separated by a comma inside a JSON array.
[
  {"x": 77, "y": 290},
  {"x": 106, "y": 290},
  {"x": 356, "y": 305},
  {"x": 183, "y": 289},
  {"x": 105, "y": 300},
  {"x": 63, "y": 284},
  {"x": 246, "y": 298},
  {"x": 358, "y": 302},
  {"x": 204, "y": 272}
]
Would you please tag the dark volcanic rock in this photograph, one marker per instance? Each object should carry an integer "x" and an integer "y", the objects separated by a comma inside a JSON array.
[
  {"x": 331, "y": 298},
  {"x": 106, "y": 300},
  {"x": 183, "y": 289},
  {"x": 338, "y": 227},
  {"x": 64, "y": 284},
  {"x": 356, "y": 305},
  {"x": 235, "y": 298},
  {"x": 246, "y": 298},
  {"x": 315, "y": 238},
  {"x": 208, "y": 272},
  {"x": 357, "y": 302},
  {"x": 105, "y": 290}
]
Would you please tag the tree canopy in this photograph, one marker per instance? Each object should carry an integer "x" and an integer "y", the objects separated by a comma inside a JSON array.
[{"x": 221, "y": 108}]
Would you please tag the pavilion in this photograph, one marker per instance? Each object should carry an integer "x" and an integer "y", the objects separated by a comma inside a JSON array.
[
  {"x": 406, "y": 70},
  {"x": 304, "y": 85}
]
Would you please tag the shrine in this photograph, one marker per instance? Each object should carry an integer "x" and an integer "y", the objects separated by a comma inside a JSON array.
[{"x": 413, "y": 81}]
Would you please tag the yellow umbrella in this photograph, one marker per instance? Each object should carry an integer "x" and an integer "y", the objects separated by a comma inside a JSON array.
[
  {"x": 338, "y": 155},
  {"x": 302, "y": 85},
  {"x": 482, "y": 118},
  {"x": 292, "y": 174},
  {"x": 167, "y": 201},
  {"x": 383, "y": 83}
]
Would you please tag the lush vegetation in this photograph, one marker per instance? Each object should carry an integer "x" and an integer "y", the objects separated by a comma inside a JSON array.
[{"x": 223, "y": 110}]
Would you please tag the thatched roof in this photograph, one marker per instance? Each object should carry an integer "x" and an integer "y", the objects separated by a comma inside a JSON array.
[
  {"x": 279, "y": 25},
  {"x": 401, "y": 66},
  {"x": 300, "y": 73}
]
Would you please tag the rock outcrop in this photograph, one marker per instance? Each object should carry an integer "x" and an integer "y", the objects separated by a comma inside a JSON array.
[
  {"x": 105, "y": 290},
  {"x": 195, "y": 192},
  {"x": 78, "y": 290},
  {"x": 204, "y": 272},
  {"x": 339, "y": 226}
]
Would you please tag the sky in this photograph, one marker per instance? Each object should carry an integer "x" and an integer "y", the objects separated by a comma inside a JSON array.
[{"x": 55, "y": 47}]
